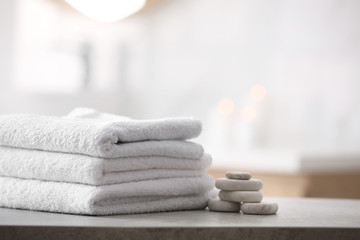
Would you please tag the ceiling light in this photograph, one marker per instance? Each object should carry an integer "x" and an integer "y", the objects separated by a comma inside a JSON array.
[{"x": 107, "y": 11}]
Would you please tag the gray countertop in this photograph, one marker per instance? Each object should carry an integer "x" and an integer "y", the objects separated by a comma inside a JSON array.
[{"x": 296, "y": 216}]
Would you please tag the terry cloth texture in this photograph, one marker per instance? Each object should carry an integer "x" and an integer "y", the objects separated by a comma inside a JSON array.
[
  {"x": 76, "y": 168},
  {"x": 95, "y": 137},
  {"x": 96, "y": 163},
  {"x": 136, "y": 197}
]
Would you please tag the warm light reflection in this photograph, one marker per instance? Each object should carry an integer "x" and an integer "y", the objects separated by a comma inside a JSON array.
[
  {"x": 248, "y": 114},
  {"x": 107, "y": 10},
  {"x": 258, "y": 92},
  {"x": 226, "y": 107}
]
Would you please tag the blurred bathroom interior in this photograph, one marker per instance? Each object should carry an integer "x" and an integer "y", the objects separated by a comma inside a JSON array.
[{"x": 276, "y": 84}]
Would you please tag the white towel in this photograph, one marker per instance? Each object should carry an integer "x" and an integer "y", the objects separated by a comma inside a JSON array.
[
  {"x": 137, "y": 197},
  {"x": 95, "y": 137},
  {"x": 76, "y": 168}
]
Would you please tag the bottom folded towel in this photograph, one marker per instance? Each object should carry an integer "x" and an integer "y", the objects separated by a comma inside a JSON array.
[{"x": 136, "y": 197}]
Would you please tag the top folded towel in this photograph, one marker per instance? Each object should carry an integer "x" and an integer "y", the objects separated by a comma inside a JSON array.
[{"x": 102, "y": 136}]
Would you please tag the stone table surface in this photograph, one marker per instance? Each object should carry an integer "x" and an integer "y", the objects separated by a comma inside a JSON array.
[{"x": 297, "y": 218}]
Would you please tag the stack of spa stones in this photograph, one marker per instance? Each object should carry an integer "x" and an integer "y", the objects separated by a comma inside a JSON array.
[{"x": 239, "y": 192}]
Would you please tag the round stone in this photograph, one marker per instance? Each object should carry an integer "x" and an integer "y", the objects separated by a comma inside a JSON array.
[
  {"x": 259, "y": 208},
  {"x": 218, "y": 205},
  {"x": 241, "y": 196},
  {"x": 238, "y": 185},
  {"x": 238, "y": 175}
]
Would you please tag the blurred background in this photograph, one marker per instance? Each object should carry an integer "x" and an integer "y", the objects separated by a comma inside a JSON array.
[{"x": 275, "y": 83}]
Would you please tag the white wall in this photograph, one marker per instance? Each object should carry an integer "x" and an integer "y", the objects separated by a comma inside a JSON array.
[
  {"x": 180, "y": 57},
  {"x": 306, "y": 53},
  {"x": 7, "y": 27}
]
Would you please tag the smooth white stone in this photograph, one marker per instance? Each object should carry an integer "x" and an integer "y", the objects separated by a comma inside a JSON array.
[
  {"x": 223, "y": 206},
  {"x": 238, "y": 175},
  {"x": 241, "y": 196},
  {"x": 259, "y": 208},
  {"x": 238, "y": 185}
]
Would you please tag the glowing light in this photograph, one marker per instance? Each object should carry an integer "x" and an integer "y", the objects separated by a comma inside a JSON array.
[
  {"x": 226, "y": 107},
  {"x": 258, "y": 92},
  {"x": 248, "y": 114},
  {"x": 107, "y": 10}
]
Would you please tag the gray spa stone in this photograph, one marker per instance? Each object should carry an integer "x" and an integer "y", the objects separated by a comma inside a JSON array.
[
  {"x": 238, "y": 185},
  {"x": 218, "y": 205},
  {"x": 238, "y": 175},
  {"x": 262, "y": 208},
  {"x": 241, "y": 196}
]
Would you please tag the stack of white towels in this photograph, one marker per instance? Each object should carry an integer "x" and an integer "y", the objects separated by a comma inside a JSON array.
[{"x": 100, "y": 164}]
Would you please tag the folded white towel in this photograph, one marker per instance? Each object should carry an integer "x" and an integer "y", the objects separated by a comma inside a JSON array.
[
  {"x": 77, "y": 168},
  {"x": 137, "y": 197},
  {"x": 95, "y": 137}
]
